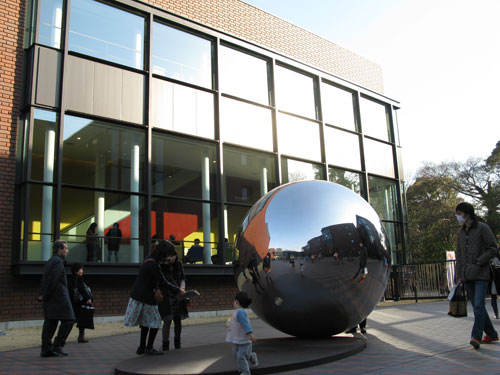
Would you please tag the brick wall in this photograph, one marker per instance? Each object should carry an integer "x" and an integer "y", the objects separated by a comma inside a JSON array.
[
  {"x": 252, "y": 24},
  {"x": 11, "y": 59}
]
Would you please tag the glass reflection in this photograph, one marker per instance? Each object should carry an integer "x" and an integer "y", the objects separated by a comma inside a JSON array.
[
  {"x": 298, "y": 137},
  {"x": 243, "y": 75},
  {"x": 350, "y": 180},
  {"x": 293, "y": 170},
  {"x": 182, "y": 109},
  {"x": 181, "y": 55},
  {"x": 374, "y": 119},
  {"x": 313, "y": 252},
  {"x": 102, "y": 155},
  {"x": 337, "y": 107},
  {"x": 105, "y": 32},
  {"x": 51, "y": 15},
  {"x": 246, "y": 124},
  {"x": 295, "y": 92},
  {"x": 248, "y": 175},
  {"x": 183, "y": 167},
  {"x": 379, "y": 158},
  {"x": 383, "y": 197},
  {"x": 342, "y": 148}
]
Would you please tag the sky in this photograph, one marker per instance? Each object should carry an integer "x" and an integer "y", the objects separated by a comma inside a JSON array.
[{"x": 440, "y": 59}]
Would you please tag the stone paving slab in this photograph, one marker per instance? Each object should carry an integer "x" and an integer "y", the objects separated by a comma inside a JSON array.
[{"x": 402, "y": 339}]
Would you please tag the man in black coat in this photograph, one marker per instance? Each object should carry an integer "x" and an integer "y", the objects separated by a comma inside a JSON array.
[{"x": 56, "y": 303}]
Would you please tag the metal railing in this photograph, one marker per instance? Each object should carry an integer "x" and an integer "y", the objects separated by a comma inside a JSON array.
[{"x": 420, "y": 281}]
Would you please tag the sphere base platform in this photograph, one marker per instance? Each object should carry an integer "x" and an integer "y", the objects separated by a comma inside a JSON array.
[{"x": 274, "y": 355}]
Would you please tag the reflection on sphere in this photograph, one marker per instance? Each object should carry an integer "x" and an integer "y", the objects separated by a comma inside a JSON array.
[{"x": 314, "y": 258}]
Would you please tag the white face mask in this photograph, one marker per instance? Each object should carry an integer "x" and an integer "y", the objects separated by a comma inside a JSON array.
[{"x": 460, "y": 219}]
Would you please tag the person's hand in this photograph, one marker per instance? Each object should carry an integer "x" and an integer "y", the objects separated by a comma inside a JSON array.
[
  {"x": 182, "y": 291},
  {"x": 89, "y": 302},
  {"x": 252, "y": 337},
  {"x": 40, "y": 298}
]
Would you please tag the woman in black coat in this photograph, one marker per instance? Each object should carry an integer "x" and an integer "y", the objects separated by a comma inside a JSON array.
[
  {"x": 142, "y": 307},
  {"x": 172, "y": 309},
  {"x": 80, "y": 295}
]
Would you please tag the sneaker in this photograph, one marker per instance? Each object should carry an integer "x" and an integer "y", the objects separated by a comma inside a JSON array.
[
  {"x": 59, "y": 351},
  {"x": 488, "y": 340},
  {"x": 363, "y": 330},
  {"x": 475, "y": 343},
  {"x": 253, "y": 359}
]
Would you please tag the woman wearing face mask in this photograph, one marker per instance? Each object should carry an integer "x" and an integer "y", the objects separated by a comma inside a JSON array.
[{"x": 475, "y": 247}]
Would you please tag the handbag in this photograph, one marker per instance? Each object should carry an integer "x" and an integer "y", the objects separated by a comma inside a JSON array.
[
  {"x": 86, "y": 317},
  {"x": 458, "y": 302},
  {"x": 158, "y": 296}
]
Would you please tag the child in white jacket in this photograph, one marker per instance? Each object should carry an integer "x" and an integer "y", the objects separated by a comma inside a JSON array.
[{"x": 241, "y": 335}]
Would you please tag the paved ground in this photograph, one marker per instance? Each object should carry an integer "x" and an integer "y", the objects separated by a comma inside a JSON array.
[{"x": 402, "y": 339}]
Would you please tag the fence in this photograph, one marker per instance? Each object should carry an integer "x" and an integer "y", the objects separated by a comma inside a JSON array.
[{"x": 426, "y": 280}]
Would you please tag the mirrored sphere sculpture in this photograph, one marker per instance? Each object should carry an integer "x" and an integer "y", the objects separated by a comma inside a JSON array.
[{"x": 314, "y": 258}]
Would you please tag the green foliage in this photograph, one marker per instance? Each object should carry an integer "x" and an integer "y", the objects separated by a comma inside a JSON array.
[
  {"x": 432, "y": 222},
  {"x": 437, "y": 190}
]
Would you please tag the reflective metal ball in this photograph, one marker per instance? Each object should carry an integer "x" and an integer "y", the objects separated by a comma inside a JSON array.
[{"x": 314, "y": 258}]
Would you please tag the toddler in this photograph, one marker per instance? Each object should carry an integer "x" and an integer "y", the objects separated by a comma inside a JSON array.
[{"x": 241, "y": 335}]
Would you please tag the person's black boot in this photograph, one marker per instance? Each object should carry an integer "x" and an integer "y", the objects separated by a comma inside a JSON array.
[
  {"x": 177, "y": 343},
  {"x": 165, "y": 345}
]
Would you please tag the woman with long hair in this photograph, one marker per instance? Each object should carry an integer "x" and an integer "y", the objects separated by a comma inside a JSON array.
[{"x": 142, "y": 307}]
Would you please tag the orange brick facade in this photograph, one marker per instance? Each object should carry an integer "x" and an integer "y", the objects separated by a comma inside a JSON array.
[{"x": 18, "y": 293}]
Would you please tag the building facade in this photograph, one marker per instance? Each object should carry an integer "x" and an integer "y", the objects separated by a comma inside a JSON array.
[{"x": 169, "y": 119}]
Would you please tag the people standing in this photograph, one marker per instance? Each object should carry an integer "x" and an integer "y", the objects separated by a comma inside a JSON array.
[
  {"x": 80, "y": 294},
  {"x": 494, "y": 283},
  {"x": 362, "y": 328},
  {"x": 173, "y": 309},
  {"x": 475, "y": 247},
  {"x": 56, "y": 303},
  {"x": 142, "y": 307},
  {"x": 113, "y": 238},
  {"x": 240, "y": 333},
  {"x": 92, "y": 241}
]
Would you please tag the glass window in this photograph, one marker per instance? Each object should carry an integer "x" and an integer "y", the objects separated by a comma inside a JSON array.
[
  {"x": 295, "y": 92},
  {"x": 298, "y": 137},
  {"x": 243, "y": 75},
  {"x": 248, "y": 175},
  {"x": 234, "y": 216},
  {"x": 379, "y": 158},
  {"x": 351, "y": 180},
  {"x": 51, "y": 15},
  {"x": 337, "y": 106},
  {"x": 188, "y": 221},
  {"x": 39, "y": 222},
  {"x": 383, "y": 197},
  {"x": 183, "y": 167},
  {"x": 394, "y": 235},
  {"x": 293, "y": 170},
  {"x": 102, "y": 155},
  {"x": 182, "y": 56},
  {"x": 86, "y": 218},
  {"x": 374, "y": 120},
  {"x": 107, "y": 33},
  {"x": 342, "y": 148},
  {"x": 182, "y": 109},
  {"x": 44, "y": 145},
  {"x": 246, "y": 124}
]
